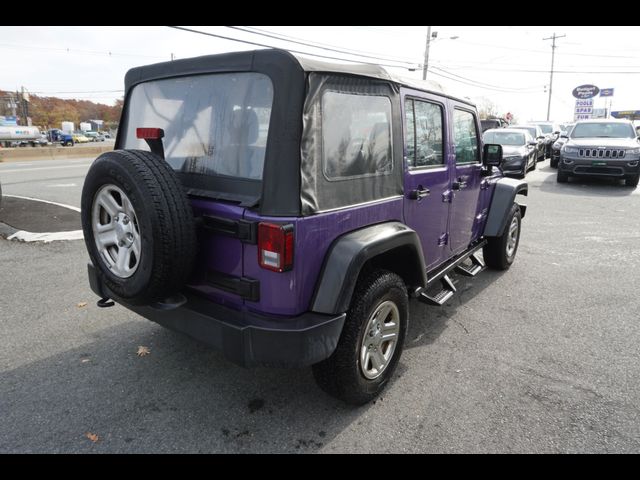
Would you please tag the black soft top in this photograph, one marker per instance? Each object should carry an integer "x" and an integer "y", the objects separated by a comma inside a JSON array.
[{"x": 257, "y": 60}]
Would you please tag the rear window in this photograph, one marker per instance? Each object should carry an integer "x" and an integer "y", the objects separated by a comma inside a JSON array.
[{"x": 214, "y": 124}]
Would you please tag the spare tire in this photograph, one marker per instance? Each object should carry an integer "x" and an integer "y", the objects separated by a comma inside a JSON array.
[{"x": 138, "y": 226}]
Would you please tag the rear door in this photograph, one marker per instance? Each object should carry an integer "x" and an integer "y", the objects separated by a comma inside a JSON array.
[
  {"x": 467, "y": 181},
  {"x": 215, "y": 136},
  {"x": 427, "y": 176}
]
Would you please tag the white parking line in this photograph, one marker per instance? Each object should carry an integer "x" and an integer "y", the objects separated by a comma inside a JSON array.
[
  {"x": 15, "y": 170},
  {"x": 64, "y": 205}
]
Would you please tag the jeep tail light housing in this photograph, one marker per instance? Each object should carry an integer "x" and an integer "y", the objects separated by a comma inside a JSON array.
[
  {"x": 149, "y": 133},
  {"x": 275, "y": 246}
]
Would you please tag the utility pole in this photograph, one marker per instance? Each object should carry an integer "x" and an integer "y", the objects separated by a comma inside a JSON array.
[
  {"x": 173, "y": 57},
  {"x": 425, "y": 67},
  {"x": 553, "y": 56}
]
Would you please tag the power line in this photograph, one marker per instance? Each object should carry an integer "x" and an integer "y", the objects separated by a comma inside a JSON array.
[
  {"x": 515, "y": 89},
  {"x": 75, "y": 51},
  {"x": 330, "y": 48},
  {"x": 288, "y": 49},
  {"x": 470, "y": 83}
]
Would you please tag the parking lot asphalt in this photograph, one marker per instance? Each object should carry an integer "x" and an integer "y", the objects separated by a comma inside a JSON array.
[{"x": 541, "y": 358}]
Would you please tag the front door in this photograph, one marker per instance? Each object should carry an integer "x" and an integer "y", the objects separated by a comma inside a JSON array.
[
  {"x": 427, "y": 174},
  {"x": 466, "y": 180}
]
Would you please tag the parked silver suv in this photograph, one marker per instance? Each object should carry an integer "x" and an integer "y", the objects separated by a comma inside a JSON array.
[{"x": 604, "y": 148}]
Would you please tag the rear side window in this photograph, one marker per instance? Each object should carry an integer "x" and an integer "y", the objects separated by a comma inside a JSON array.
[
  {"x": 356, "y": 135},
  {"x": 465, "y": 137},
  {"x": 423, "y": 134},
  {"x": 213, "y": 124}
]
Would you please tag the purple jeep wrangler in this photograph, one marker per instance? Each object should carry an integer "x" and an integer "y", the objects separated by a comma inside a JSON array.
[{"x": 285, "y": 210}]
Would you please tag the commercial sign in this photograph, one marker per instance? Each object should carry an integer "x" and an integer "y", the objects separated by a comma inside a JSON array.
[
  {"x": 583, "y": 109},
  {"x": 585, "y": 91},
  {"x": 606, "y": 92}
]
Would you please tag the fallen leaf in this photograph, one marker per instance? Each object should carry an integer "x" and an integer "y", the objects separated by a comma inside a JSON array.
[
  {"x": 81, "y": 304},
  {"x": 92, "y": 436},
  {"x": 142, "y": 351}
]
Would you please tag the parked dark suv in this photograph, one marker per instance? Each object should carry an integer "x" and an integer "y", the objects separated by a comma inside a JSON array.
[
  {"x": 285, "y": 210},
  {"x": 602, "y": 148}
]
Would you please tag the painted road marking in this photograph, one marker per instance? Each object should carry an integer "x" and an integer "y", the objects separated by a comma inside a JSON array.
[
  {"x": 16, "y": 170},
  {"x": 64, "y": 205}
]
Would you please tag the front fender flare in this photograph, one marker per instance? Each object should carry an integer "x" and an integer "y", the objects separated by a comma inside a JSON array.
[{"x": 504, "y": 196}]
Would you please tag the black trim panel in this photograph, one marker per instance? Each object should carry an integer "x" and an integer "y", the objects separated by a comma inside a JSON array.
[
  {"x": 247, "y": 288},
  {"x": 244, "y": 230}
]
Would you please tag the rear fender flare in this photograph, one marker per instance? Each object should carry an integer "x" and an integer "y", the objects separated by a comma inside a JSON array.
[{"x": 349, "y": 253}]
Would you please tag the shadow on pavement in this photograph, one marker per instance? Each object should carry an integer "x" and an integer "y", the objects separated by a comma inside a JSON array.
[
  {"x": 584, "y": 186},
  {"x": 184, "y": 397}
]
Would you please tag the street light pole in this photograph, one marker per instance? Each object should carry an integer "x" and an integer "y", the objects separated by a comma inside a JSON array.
[{"x": 425, "y": 67}]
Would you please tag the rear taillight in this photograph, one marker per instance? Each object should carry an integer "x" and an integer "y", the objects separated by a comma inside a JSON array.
[
  {"x": 149, "y": 133},
  {"x": 275, "y": 246}
]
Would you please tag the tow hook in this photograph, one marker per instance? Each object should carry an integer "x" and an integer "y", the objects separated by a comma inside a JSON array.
[{"x": 105, "y": 302}]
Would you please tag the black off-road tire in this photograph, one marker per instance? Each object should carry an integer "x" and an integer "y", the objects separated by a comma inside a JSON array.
[
  {"x": 340, "y": 375},
  {"x": 165, "y": 219},
  {"x": 632, "y": 181},
  {"x": 495, "y": 251}
]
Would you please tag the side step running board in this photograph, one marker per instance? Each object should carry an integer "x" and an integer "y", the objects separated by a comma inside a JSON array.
[
  {"x": 441, "y": 275},
  {"x": 477, "y": 265},
  {"x": 443, "y": 296}
]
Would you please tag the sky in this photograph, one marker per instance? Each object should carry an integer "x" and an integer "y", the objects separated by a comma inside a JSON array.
[{"x": 508, "y": 66}]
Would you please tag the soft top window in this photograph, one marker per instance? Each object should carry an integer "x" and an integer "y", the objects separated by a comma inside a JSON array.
[
  {"x": 214, "y": 124},
  {"x": 347, "y": 150},
  {"x": 356, "y": 135}
]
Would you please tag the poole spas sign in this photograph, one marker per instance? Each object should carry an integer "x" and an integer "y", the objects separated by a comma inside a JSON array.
[{"x": 586, "y": 91}]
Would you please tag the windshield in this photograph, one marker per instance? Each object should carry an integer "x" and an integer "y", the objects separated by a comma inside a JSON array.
[
  {"x": 531, "y": 130},
  {"x": 603, "y": 130},
  {"x": 504, "y": 138},
  {"x": 546, "y": 128},
  {"x": 213, "y": 124}
]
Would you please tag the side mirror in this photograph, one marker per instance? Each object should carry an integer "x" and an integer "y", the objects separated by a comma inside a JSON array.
[
  {"x": 492, "y": 155},
  {"x": 541, "y": 137},
  {"x": 564, "y": 136},
  {"x": 532, "y": 144},
  {"x": 556, "y": 133}
]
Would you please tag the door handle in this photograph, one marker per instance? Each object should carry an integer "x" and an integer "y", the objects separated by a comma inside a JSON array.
[
  {"x": 459, "y": 184},
  {"x": 419, "y": 194}
]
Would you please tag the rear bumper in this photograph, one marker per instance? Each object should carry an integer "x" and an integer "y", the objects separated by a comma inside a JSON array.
[{"x": 244, "y": 337}]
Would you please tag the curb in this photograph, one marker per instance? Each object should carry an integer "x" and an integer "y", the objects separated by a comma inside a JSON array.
[{"x": 8, "y": 155}]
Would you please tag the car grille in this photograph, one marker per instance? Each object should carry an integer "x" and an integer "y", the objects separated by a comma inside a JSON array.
[
  {"x": 599, "y": 170},
  {"x": 600, "y": 153}
]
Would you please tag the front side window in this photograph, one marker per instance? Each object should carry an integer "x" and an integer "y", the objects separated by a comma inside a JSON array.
[
  {"x": 423, "y": 134},
  {"x": 214, "y": 124},
  {"x": 356, "y": 135},
  {"x": 465, "y": 137}
]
